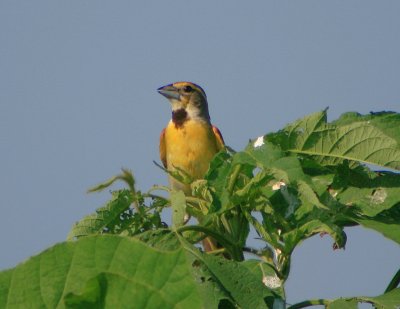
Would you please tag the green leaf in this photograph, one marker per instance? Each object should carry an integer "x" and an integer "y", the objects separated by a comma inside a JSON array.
[
  {"x": 268, "y": 275},
  {"x": 245, "y": 287},
  {"x": 263, "y": 152},
  {"x": 395, "y": 282},
  {"x": 243, "y": 158},
  {"x": 212, "y": 293},
  {"x": 370, "y": 201},
  {"x": 251, "y": 188},
  {"x": 270, "y": 157},
  {"x": 312, "y": 227},
  {"x": 163, "y": 239},
  {"x": 288, "y": 169},
  {"x": 389, "y": 230},
  {"x": 309, "y": 200},
  {"x": 343, "y": 304},
  {"x": 369, "y": 193},
  {"x": 5, "y": 283},
  {"x": 91, "y": 296},
  {"x": 108, "y": 290},
  {"x": 387, "y": 122},
  {"x": 178, "y": 203},
  {"x": 219, "y": 170},
  {"x": 321, "y": 183},
  {"x": 98, "y": 221},
  {"x": 79, "y": 272},
  {"x": 332, "y": 144},
  {"x": 390, "y": 300},
  {"x": 218, "y": 177}
]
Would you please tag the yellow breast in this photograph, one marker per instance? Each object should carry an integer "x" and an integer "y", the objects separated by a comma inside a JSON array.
[{"x": 190, "y": 147}]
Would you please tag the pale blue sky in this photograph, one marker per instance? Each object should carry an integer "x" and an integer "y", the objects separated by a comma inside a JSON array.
[{"x": 78, "y": 101}]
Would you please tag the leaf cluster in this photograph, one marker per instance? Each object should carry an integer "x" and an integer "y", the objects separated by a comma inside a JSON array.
[
  {"x": 127, "y": 213},
  {"x": 312, "y": 177}
]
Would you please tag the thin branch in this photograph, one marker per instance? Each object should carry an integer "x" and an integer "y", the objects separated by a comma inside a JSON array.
[{"x": 155, "y": 196}]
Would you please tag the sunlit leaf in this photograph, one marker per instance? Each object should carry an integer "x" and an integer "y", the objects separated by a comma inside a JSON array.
[
  {"x": 332, "y": 144},
  {"x": 104, "y": 272}
]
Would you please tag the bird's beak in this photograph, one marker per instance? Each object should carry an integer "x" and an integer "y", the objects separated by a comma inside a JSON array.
[{"x": 169, "y": 91}]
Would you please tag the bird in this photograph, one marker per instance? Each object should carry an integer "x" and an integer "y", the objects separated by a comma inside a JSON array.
[{"x": 189, "y": 141}]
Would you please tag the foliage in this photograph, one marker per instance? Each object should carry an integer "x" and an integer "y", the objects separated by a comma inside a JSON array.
[{"x": 309, "y": 178}]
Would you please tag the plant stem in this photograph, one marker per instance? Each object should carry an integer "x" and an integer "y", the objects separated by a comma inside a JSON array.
[
  {"x": 134, "y": 196},
  {"x": 216, "y": 251},
  {"x": 230, "y": 247},
  {"x": 218, "y": 237},
  {"x": 259, "y": 227},
  {"x": 159, "y": 188},
  {"x": 394, "y": 282},
  {"x": 309, "y": 303},
  {"x": 232, "y": 180}
]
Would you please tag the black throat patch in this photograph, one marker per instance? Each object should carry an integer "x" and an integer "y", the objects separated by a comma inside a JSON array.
[{"x": 179, "y": 117}]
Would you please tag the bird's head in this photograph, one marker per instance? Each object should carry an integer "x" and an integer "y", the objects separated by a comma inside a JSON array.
[{"x": 186, "y": 99}]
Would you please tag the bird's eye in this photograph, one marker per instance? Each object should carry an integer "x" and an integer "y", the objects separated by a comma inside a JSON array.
[{"x": 187, "y": 89}]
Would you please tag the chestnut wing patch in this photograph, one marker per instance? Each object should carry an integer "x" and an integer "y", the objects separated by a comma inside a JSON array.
[
  {"x": 219, "y": 137},
  {"x": 162, "y": 149}
]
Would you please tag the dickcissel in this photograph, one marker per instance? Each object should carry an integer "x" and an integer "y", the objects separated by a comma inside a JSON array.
[{"x": 189, "y": 141}]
